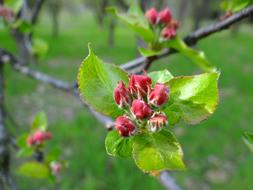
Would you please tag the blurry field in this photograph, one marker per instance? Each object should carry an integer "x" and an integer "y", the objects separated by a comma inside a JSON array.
[{"x": 214, "y": 152}]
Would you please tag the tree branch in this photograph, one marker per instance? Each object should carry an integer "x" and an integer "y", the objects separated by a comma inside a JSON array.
[
  {"x": 36, "y": 11},
  {"x": 4, "y": 139}
]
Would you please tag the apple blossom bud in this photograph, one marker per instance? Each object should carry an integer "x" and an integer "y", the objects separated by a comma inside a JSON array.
[
  {"x": 38, "y": 136},
  {"x": 151, "y": 15},
  {"x": 157, "y": 122},
  {"x": 140, "y": 84},
  {"x": 159, "y": 95},
  {"x": 165, "y": 16},
  {"x": 6, "y": 13},
  {"x": 122, "y": 95},
  {"x": 124, "y": 126},
  {"x": 30, "y": 140},
  {"x": 169, "y": 33},
  {"x": 56, "y": 167},
  {"x": 47, "y": 136},
  {"x": 140, "y": 109}
]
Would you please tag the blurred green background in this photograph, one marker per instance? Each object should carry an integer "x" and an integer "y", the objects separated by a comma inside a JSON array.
[{"x": 215, "y": 155}]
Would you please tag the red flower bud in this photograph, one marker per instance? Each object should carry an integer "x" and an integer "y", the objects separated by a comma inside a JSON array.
[
  {"x": 169, "y": 33},
  {"x": 122, "y": 95},
  {"x": 124, "y": 126},
  {"x": 47, "y": 135},
  {"x": 159, "y": 95},
  {"x": 157, "y": 122},
  {"x": 30, "y": 140},
  {"x": 151, "y": 15},
  {"x": 6, "y": 13},
  {"x": 56, "y": 167},
  {"x": 165, "y": 16},
  {"x": 141, "y": 109},
  {"x": 140, "y": 84},
  {"x": 38, "y": 136}
]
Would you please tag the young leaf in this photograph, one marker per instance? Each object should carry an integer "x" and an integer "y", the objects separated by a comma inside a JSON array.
[
  {"x": 25, "y": 152},
  {"x": 96, "y": 81},
  {"x": 14, "y": 5},
  {"x": 135, "y": 20},
  {"x": 192, "y": 98},
  {"x": 39, "y": 47},
  {"x": 23, "y": 26},
  {"x": 21, "y": 140},
  {"x": 248, "y": 140},
  {"x": 157, "y": 151},
  {"x": 148, "y": 52},
  {"x": 34, "y": 170},
  {"x": 118, "y": 146},
  {"x": 40, "y": 121},
  {"x": 53, "y": 154},
  {"x": 197, "y": 57},
  {"x": 163, "y": 76},
  {"x": 235, "y": 5}
]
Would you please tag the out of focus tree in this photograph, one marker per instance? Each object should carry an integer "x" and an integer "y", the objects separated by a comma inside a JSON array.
[{"x": 54, "y": 8}]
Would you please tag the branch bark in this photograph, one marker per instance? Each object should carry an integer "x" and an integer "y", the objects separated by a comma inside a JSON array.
[{"x": 4, "y": 140}]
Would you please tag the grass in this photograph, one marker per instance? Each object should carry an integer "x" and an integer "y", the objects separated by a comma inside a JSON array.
[{"x": 214, "y": 152}]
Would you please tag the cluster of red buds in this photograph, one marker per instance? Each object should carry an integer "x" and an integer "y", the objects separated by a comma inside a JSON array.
[
  {"x": 163, "y": 20},
  {"x": 6, "y": 13},
  {"x": 38, "y": 137},
  {"x": 56, "y": 167},
  {"x": 141, "y": 104}
]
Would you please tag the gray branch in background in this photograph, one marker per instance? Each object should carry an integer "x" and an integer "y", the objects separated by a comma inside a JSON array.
[
  {"x": 5, "y": 177},
  {"x": 36, "y": 11},
  {"x": 134, "y": 66}
]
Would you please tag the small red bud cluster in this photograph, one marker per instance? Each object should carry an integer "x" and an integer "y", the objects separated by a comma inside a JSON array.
[
  {"x": 164, "y": 21},
  {"x": 141, "y": 104},
  {"x": 6, "y": 13},
  {"x": 38, "y": 137}
]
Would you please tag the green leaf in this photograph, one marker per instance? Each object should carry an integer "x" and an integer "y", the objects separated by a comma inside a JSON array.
[
  {"x": 163, "y": 76},
  {"x": 96, "y": 81},
  {"x": 148, "y": 52},
  {"x": 235, "y": 5},
  {"x": 21, "y": 140},
  {"x": 248, "y": 140},
  {"x": 40, "y": 121},
  {"x": 14, "y": 5},
  {"x": 157, "y": 151},
  {"x": 25, "y": 152},
  {"x": 135, "y": 20},
  {"x": 53, "y": 154},
  {"x": 39, "y": 47},
  {"x": 34, "y": 170},
  {"x": 192, "y": 98},
  {"x": 197, "y": 57},
  {"x": 117, "y": 145},
  {"x": 23, "y": 26}
]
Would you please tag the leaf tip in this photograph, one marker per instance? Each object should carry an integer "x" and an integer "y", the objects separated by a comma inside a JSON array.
[{"x": 89, "y": 48}]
